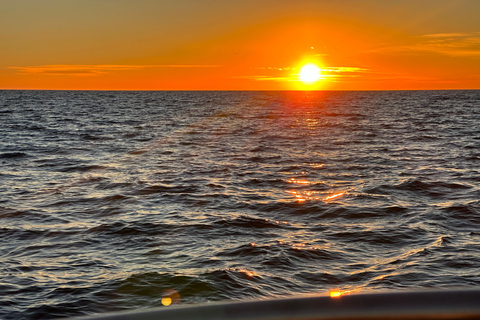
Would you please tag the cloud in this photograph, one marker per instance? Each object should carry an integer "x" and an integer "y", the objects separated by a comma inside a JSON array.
[
  {"x": 273, "y": 68},
  {"x": 343, "y": 70},
  {"x": 450, "y": 44},
  {"x": 266, "y": 78},
  {"x": 445, "y": 35},
  {"x": 94, "y": 70},
  {"x": 286, "y": 74},
  {"x": 74, "y": 70}
]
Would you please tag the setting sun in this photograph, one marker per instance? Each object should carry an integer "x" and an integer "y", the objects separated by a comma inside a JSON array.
[
  {"x": 309, "y": 73},
  {"x": 300, "y": 45}
]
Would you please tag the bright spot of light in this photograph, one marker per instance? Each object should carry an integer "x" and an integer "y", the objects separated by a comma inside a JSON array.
[
  {"x": 309, "y": 73},
  {"x": 333, "y": 196},
  {"x": 335, "y": 294},
  {"x": 293, "y": 180},
  {"x": 166, "y": 301},
  {"x": 170, "y": 296}
]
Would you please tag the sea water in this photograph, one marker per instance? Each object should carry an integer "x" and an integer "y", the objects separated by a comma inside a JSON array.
[{"x": 116, "y": 200}]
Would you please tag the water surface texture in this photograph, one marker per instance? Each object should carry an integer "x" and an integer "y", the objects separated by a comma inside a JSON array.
[{"x": 115, "y": 200}]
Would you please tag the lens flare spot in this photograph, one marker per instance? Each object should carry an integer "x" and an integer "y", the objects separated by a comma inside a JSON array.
[
  {"x": 169, "y": 297},
  {"x": 335, "y": 294},
  {"x": 166, "y": 301}
]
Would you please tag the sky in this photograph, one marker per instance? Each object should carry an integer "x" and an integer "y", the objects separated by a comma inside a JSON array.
[{"x": 239, "y": 45}]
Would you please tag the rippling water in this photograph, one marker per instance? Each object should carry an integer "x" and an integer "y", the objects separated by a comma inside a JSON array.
[{"x": 115, "y": 200}]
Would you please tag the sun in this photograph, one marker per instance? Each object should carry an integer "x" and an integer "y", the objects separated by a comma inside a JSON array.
[{"x": 309, "y": 73}]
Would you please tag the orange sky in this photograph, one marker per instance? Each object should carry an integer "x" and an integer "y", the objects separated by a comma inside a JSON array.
[{"x": 239, "y": 45}]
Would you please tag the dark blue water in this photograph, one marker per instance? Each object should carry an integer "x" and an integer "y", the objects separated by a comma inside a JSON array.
[{"x": 115, "y": 200}]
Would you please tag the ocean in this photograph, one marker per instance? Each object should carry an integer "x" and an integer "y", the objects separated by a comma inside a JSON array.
[{"x": 124, "y": 200}]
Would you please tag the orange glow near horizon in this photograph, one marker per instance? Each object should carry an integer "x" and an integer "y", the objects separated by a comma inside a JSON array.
[{"x": 306, "y": 45}]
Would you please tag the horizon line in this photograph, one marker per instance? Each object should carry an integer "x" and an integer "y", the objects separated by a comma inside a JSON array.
[{"x": 238, "y": 90}]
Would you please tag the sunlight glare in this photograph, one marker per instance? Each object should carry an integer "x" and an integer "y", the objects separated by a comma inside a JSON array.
[{"x": 309, "y": 73}]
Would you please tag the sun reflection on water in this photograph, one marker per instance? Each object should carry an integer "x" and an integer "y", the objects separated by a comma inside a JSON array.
[
  {"x": 333, "y": 196},
  {"x": 316, "y": 165},
  {"x": 299, "y": 181},
  {"x": 306, "y": 195},
  {"x": 248, "y": 273}
]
